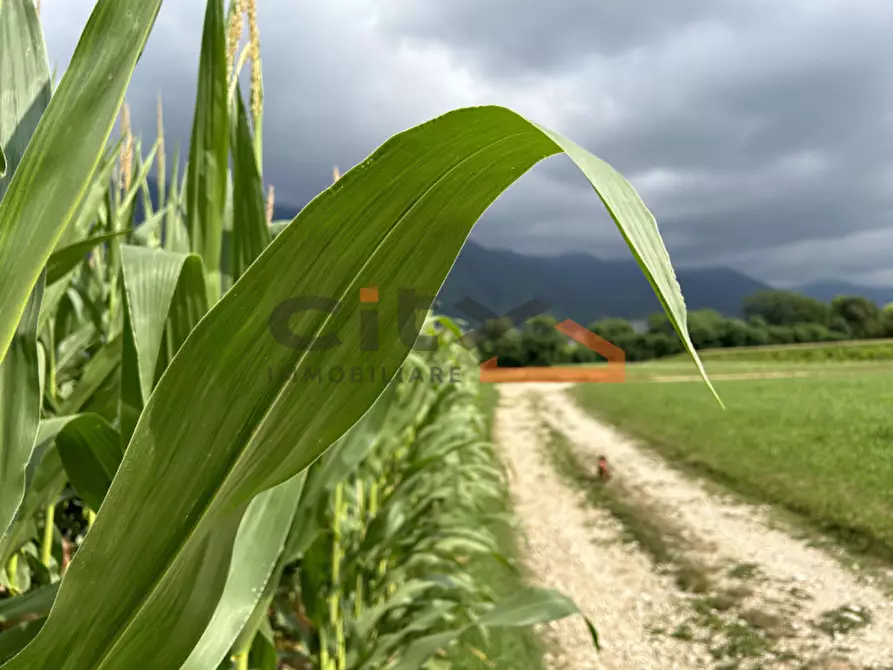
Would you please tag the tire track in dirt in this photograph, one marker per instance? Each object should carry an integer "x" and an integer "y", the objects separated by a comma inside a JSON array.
[
  {"x": 775, "y": 602},
  {"x": 576, "y": 550}
]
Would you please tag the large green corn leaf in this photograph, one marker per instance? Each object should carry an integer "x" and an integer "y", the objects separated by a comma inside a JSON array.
[
  {"x": 57, "y": 167},
  {"x": 153, "y": 280},
  {"x": 24, "y": 94},
  {"x": 240, "y": 408},
  {"x": 250, "y": 235},
  {"x": 258, "y": 546},
  {"x": 209, "y": 150}
]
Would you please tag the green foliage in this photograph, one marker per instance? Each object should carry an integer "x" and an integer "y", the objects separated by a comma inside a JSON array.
[
  {"x": 209, "y": 149},
  {"x": 711, "y": 332},
  {"x": 251, "y": 235},
  {"x": 398, "y": 532},
  {"x": 614, "y": 330},
  {"x": 785, "y": 308},
  {"x": 861, "y": 316}
]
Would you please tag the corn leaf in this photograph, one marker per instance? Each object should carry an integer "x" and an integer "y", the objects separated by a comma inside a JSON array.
[
  {"x": 176, "y": 236},
  {"x": 263, "y": 654},
  {"x": 330, "y": 469},
  {"x": 64, "y": 260},
  {"x": 14, "y": 640},
  {"x": 277, "y": 227},
  {"x": 102, "y": 367},
  {"x": 246, "y": 403},
  {"x": 24, "y": 94},
  {"x": 148, "y": 233},
  {"x": 57, "y": 166},
  {"x": 209, "y": 150},
  {"x": 37, "y": 601},
  {"x": 151, "y": 279},
  {"x": 258, "y": 546},
  {"x": 251, "y": 235},
  {"x": 126, "y": 206},
  {"x": 93, "y": 200},
  {"x": 20, "y": 394},
  {"x": 524, "y": 609},
  {"x": 24, "y": 82},
  {"x": 44, "y": 481},
  {"x": 90, "y": 450},
  {"x": 226, "y": 237}
]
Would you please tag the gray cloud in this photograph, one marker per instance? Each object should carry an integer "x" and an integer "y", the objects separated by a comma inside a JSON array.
[
  {"x": 506, "y": 36},
  {"x": 758, "y": 132}
]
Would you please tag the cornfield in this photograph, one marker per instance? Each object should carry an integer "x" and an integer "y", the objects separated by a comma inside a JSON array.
[{"x": 190, "y": 476}]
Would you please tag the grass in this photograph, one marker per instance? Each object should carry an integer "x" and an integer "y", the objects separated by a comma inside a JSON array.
[
  {"x": 850, "y": 350},
  {"x": 736, "y": 369},
  {"x": 818, "y": 446},
  {"x": 504, "y": 649},
  {"x": 843, "y": 620}
]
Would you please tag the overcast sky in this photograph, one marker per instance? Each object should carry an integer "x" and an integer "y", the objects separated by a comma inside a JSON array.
[{"x": 759, "y": 132}]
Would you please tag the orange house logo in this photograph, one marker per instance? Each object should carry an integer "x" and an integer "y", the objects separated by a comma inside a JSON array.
[{"x": 613, "y": 372}]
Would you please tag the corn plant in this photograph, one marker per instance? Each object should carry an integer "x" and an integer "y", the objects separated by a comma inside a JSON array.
[
  {"x": 146, "y": 386},
  {"x": 398, "y": 523}
]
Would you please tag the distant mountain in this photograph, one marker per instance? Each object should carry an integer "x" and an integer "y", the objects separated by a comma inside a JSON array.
[
  {"x": 585, "y": 288},
  {"x": 581, "y": 287},
  {"x": 830, "y": 289}
]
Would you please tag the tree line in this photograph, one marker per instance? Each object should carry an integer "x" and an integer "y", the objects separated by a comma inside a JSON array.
[{"x": 770, "y": 317}]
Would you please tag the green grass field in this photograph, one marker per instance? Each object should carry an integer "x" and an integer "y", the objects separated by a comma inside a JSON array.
[
  {"x": 821, "y": 446},
  {"x": 854, "y": 350},
  {"x": 675, "y": 369}
]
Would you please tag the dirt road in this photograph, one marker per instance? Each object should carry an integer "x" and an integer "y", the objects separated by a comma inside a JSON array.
[{"x": 673, "y": 574}]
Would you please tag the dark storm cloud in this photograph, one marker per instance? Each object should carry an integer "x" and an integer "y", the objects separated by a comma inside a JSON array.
[
  {"x": 511, "y": 36},
  {"x": 749, "y": 127},
  {"x": 758, "y": 132}
]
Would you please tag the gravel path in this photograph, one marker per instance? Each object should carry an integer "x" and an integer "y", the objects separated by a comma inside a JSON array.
[{"x": 808, "y": 610}]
